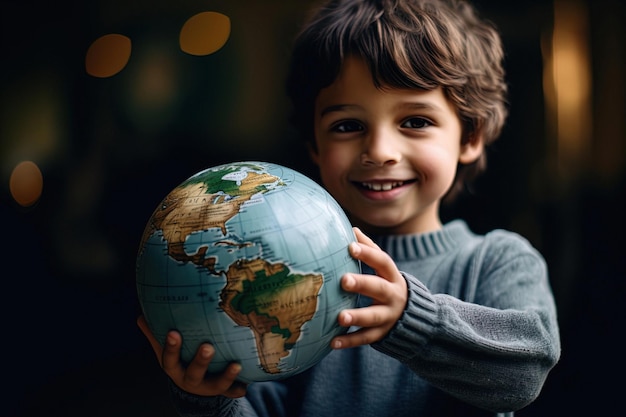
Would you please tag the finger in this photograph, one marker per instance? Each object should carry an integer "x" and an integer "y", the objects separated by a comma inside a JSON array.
[
  {"x": 361, "y": 337},
  {"x": 170, "y": 359},
  {"x": 197, "y": 368},
  {"x": 372, "y": 316},
  {"x": 156, "y": 346},
  {"x": 377, "y": 259},
  {"x": 363, "y": 238},
  {"x": 372, "y": 286},
  {"x": 196, "y": 380},
  {"x": 193, "y": 378},
  {"x": 228, "y": 384},
  {"x": 224, "y": 383}
]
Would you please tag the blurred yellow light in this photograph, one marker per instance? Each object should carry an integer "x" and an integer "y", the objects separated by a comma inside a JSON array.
[
  {"x": 26, "y": 183},
  {"x": 204, "y": 33},
  {"x": 567, "y": 84},
  {"x": 108, "y": 55}
]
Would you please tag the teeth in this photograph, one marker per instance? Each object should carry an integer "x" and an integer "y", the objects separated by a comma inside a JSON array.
[{"x": 384, "y": 186}]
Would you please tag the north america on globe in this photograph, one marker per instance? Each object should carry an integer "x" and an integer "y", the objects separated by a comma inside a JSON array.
[{"x": 206, "y": 201}]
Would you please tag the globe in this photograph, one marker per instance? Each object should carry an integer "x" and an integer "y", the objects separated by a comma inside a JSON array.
[{"x": 247, "y": 256}]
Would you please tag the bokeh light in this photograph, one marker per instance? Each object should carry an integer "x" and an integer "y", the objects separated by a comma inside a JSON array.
[
  {"x": 568, "y": 86},
  {"x": 204, "y": 33},
  {"x": 26, "y": 183},
  {"x": 108, "y": 55},
  {"x": 153, "y": 88}
]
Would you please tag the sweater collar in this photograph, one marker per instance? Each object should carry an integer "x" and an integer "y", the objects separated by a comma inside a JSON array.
[{"x": 412, "y": 246}]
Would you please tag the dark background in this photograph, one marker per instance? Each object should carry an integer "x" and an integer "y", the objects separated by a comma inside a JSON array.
[{"x": 70, "y": 346}]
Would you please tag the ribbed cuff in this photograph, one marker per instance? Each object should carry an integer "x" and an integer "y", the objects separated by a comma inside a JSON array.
[
  {"x": 191, "y": 405},
  {"x": 416, "y": 326}
]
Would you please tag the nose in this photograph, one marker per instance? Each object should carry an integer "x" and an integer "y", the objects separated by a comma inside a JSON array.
[{"x": 379, "y": 149}]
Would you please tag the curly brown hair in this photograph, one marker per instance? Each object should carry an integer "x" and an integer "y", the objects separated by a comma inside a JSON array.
[{"x": 422, "y": 44}]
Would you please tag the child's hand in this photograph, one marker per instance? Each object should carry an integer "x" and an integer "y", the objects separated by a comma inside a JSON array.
[
  {"x": 193, "y": 379},
  {"x": 387, "y": 289}
]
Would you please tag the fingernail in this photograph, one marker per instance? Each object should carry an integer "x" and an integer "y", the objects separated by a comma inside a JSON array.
[
  {"x": 336, "y": 344},
  {"x": 355, "y": 249},
  {"x": 346, "y": 319},
  {"x": 206, "y": 352},
  {"x": 348, "y": 281},
  {"x": 171, "y": 340},
  {"x": 235, "y": 369}
]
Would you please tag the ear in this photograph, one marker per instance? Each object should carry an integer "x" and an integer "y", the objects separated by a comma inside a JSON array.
[
  {"x": 472, "y": 149},
  {"x": 313, "y": 153}
]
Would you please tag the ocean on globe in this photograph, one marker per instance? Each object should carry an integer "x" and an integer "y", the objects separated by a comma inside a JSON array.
[{"x": 248, "y": 256}]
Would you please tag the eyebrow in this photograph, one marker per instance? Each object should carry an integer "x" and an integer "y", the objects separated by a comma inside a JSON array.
[
  {"x": 421, "y": 106},
  {"x": 406, "y": 105},
  {"x": 334, "y": 108}
]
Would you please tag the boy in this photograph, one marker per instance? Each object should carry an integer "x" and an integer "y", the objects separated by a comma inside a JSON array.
[{"x": 397, "y": 100}]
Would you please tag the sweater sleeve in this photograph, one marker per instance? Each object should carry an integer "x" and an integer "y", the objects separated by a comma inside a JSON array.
[
  {"x": 494, "y": 350},
  {"x": 190, "y": 405}
]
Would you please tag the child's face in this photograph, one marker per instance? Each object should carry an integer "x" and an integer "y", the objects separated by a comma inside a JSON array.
[{"x": 387, "y": 156}]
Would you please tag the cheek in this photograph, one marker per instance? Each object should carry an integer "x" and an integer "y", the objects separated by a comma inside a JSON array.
[
  {"x": 333, "y": 163},
  {"x": 437, "y": 167},
  {"x": 333, "y": 159}
]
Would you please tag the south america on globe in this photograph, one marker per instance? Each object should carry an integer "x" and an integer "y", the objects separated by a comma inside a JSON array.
[{"x": 247, "y": 256}]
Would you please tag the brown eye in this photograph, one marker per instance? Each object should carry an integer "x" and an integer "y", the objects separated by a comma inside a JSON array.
[
  {"x": 347, "y": 126},
  {"x": 416, "y": 123}
]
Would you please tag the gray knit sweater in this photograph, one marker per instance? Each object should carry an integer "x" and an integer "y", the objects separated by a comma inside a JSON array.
[{"x": 478, "y": 336}]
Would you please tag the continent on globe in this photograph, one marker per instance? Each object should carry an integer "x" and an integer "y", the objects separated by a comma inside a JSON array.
[
  {"x": 204, "y": 202},
  {"x": 273, "y": 303}
]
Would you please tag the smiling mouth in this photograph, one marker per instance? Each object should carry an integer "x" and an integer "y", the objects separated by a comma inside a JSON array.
[{"x": 383, "y": 186}]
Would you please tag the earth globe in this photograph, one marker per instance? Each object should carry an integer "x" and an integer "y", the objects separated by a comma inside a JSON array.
[{"x": 247, "y": 256}]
